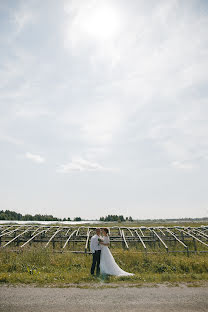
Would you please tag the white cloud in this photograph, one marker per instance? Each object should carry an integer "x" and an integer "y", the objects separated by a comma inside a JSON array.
[
  {"x": 34, "y": 157},
  {"x": 80, "y": 164},
  {"x": 154, "y": 62}
]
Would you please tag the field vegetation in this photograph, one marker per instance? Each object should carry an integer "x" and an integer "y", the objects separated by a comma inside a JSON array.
[
  {"x": 37, "y": 265},
  {"x": 43, "y": 267}
]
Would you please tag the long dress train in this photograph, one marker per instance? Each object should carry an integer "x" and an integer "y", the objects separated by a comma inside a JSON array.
[{"x": 107, "y": 262}]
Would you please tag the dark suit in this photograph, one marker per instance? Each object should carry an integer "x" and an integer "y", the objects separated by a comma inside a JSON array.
[{"x": 96, "y": 261}]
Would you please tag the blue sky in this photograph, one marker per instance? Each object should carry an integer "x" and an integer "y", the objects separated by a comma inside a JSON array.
[{"x": 103, "y": 108}]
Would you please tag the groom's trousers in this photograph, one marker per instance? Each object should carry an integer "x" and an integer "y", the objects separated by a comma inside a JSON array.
[{"x": 96, "y": 261}]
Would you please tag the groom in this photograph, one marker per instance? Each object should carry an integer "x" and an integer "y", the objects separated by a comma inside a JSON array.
[{"x": 96, "y": 251}]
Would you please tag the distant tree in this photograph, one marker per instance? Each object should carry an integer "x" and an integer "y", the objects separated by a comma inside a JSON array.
[
  {"x": 9, "y": 215},
  {"x": 12, "y": 215},
  {"x": 27, "y": 217},
  {"x": 117, "y": 218},
  {"x": 68, "y": 219},
  {"x": 2, "y": 215},
  {"x": 121, "y": 218},
  {"x": 38, "y": 217},
  {"x": 77, "y": 219},
  {"x": 112, "y": 218},
  {"x": 64, "y": 219}
]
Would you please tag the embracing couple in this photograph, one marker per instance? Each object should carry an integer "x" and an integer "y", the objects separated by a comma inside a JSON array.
[{"x": 102, "y": 257}]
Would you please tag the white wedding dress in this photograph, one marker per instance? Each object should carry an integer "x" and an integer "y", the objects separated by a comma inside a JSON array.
[{"x": 107, "y": 262}]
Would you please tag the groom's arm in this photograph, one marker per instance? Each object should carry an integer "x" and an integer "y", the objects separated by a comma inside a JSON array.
[
  {"x": 92, "y": 244},
  {"x": 107, "y": 242},
  {"x": 104, "y": 244}
]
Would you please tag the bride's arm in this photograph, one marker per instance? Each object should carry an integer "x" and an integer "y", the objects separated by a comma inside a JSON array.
[{"x": 104, "y": 244}]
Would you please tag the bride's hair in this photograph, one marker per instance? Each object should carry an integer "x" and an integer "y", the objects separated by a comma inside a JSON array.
[{"x": 106, "y": 230}]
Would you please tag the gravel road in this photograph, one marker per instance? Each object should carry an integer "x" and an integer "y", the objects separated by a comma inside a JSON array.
[{"x": 162, "y": 298}]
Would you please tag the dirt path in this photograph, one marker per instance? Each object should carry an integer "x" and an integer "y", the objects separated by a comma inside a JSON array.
[{"x": 162, "y": 298}]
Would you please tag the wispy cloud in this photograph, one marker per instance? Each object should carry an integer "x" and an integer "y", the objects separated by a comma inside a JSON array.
[
  {"x": 34, "y": 157},
  {"x": 23, "y": 16},
  {"x": 80, "y": 164},
  {"x": 10, "y": 139},
  {"x": 184, "y": 165}
]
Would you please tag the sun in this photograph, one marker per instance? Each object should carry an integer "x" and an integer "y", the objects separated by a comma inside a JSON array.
[{"x": 102, "y": 22}]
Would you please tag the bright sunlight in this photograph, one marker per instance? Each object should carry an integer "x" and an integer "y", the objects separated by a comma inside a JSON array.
[{"x": 102, "y": 22}]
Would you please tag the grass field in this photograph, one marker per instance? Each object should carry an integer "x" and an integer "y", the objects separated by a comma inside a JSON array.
[
  {"x": 43, "y": 267},
  {"x": 39, "y": 266}
]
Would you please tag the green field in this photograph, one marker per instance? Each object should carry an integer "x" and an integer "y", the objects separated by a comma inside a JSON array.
[
  {"x": 43, "y": 267},
  {"x": 37, "y": 265}
]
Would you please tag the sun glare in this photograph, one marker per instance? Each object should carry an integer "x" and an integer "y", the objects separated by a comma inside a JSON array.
[{"x": 102, "y": 22}]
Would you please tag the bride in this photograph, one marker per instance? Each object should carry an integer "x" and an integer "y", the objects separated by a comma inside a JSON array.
[{"x": 107, "y": 262}]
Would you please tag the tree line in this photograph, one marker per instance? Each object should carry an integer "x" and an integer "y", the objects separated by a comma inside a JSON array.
[
  {"x": 116, "y": 218},
  {"x": 14, "y": 216}
]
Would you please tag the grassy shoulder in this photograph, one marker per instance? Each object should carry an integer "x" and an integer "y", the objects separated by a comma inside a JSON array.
[{"x": 42, "y": 267}]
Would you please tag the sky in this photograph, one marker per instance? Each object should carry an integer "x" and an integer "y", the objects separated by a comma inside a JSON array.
[{"x": 104, "y": 108}]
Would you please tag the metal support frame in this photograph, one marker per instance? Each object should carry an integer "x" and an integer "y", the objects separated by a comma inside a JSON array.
[
  {"x": 199, "y": 233},
  {"x": 87, "y": 240},
  {"x": 143, "y": 244},
  {"x": 69, "y": 238},
  {"x": 38, "y": 228},
  {"x": 67, "y": 231},
  {"x": 10, "y": 232},
  {"x": 46, "y": 230},
  {"x": 182, "y": 243},
  {"x": 148, "y": 236},
  {"x": 124, "y": 239},
  {"x": 141, "y": 231},
  {"x": 13, "y": 239},
  {"x": 161, "y": 231},
  {"x": 129, "y": 231},
  {"x": 164, "y": 244},
  {"x": 193, "y": 237},
  {"x": 2, "y": 231},
  {"x": 50, "y": 239}
]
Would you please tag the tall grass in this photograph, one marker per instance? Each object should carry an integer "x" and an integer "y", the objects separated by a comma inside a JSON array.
[{"x": 40, "y": 267}]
